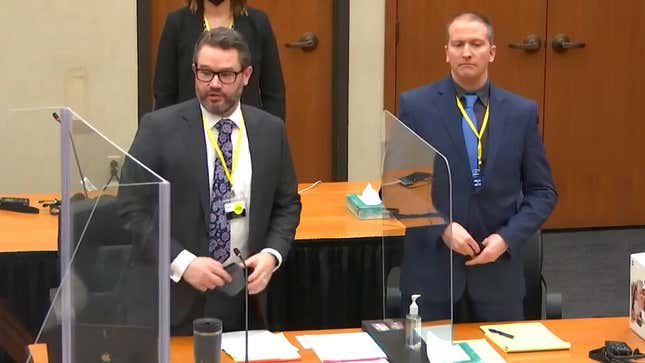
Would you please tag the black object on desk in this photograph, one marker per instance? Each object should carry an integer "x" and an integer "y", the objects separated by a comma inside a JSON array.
[
  {"x": 20, "y": 205},
  {"x": 207, "y": 340},
  {"x": 392, "y": 341},
  {"x": 411, "y": 179},
  {"x": 615, "y": 352},
  {"x": 499, "y": 332}
]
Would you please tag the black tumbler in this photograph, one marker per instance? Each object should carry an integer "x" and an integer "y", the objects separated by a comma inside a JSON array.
[{"x": 207, "y": 340}]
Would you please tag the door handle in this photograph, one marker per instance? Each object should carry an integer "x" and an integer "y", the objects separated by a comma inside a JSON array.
[
  {"x": 561, "y": 43},
  {"x": 307, "y": 42},
  {"x": 530, "y": 44}
]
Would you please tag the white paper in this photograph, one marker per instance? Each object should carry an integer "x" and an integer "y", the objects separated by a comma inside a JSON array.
[
  {"x": 369, "y": 196},
  {"x": 345, "y": 346},
  {"x": 263, "y": 345},
  {"x": 443, "y": 351},
  {"x": 304, "y": 342}
]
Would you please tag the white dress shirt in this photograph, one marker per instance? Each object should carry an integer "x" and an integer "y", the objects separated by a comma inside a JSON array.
[{"x": 241, "y": 186}]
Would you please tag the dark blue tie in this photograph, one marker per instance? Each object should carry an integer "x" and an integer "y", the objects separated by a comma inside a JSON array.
[
  {"x": 219, "y": 228},
  {"x": 469, "y": 135}
]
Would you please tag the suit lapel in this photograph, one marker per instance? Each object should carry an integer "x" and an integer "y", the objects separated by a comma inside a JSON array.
[
  {"x": 496, "y": 127},
  {"x": 451, "y": 118},
  {"x": 196, "y": 147}
]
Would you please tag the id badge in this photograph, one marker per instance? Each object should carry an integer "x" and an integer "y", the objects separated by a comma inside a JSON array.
[
  {"x": 478, "y": 180},
  {"x": 235, "y": 207}
]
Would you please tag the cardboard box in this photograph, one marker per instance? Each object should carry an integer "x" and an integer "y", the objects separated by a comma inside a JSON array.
[{"x": 637, "y": 293}]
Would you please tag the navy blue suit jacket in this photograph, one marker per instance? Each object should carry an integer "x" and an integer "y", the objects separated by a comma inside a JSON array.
[{"x": 519, "y": 194}]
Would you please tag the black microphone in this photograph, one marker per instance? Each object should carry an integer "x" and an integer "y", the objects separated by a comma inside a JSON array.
[
  {"x": 78, "y": 164},
  {"x": 246, "y": 305}
]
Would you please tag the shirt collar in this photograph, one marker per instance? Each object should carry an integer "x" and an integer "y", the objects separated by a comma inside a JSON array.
[
  {"x": 212, "y": 119},
  {"x": 483, "y": 93}
]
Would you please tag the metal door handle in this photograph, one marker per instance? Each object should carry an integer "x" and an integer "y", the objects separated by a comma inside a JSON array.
[
  {"x": 561, "y": 43},
  {"x": 530, "y": 44},
  {"x": 307, "y": 42}
]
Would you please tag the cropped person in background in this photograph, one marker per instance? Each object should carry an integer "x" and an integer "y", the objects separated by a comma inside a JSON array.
[{"x": 174, "y": 78}]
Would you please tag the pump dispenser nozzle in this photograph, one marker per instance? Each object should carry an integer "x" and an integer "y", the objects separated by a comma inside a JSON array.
[{"x": 414, "y": 308}]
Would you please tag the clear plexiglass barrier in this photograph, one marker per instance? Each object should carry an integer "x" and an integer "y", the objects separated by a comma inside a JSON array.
[
  {"x": 417, "y": 264},
  {"x": 112, "y": 304}
]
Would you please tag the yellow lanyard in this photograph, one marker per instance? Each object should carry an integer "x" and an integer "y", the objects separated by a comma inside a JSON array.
[
  {"x": 208, "y": 26},
  {"x": 472, "y": 127},
  {"x": 236, "y": 150}
]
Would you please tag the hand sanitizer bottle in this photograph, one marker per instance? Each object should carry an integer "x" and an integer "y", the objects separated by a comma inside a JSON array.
[{"x": 413, "y": 325}]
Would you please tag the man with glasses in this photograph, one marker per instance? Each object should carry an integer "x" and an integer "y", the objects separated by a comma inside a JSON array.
[{"x": 233, "y": 186}]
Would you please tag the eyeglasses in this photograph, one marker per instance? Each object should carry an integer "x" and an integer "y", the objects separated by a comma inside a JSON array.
[{"x": 225, "y": 77}]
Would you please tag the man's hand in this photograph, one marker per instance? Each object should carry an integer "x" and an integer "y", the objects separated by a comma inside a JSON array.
[
  {"x": 262, "y": 264},
  {"x": 494, "y": 246},
  {"x": 457, "y": 238},
  {"x": 205, "y": 273}
]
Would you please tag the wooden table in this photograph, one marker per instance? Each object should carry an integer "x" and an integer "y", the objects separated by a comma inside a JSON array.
[
  {"x": 583, "y": 334},
  {"x": 324, "y": 216},
  {"x": 22, "y": 232}
]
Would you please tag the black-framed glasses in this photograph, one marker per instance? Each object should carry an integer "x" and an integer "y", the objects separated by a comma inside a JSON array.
[{"x": 225, "y": 77}]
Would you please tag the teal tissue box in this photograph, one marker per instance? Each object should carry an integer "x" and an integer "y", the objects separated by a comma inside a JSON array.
[{"x": 363, "y": 211}]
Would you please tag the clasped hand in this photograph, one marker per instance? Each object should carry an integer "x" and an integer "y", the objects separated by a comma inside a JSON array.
[
  {"x": 457, "y": 238},
  {"x": 205, "y": 273}
]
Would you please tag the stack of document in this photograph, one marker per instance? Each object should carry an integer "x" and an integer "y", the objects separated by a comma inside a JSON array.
[
  {"x": 523, "y": 337},
  {"x": 344, "y": 347},
  {"x": 263, "y": 346},
  {"x": 442, "y": 350}
]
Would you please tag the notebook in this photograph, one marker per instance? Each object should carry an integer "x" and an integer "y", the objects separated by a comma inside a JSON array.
[{"x": 526, "y": 337}]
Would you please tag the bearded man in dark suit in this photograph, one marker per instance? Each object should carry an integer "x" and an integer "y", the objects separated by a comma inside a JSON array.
[{"x": 233, "y": 185}]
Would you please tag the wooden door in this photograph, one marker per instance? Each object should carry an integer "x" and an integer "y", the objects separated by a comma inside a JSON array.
[
  {"x": 594, "y": 124},
  {"x": 308, "y": 80},
  {"x": 307, "y": 75},
  {"x": 588, "y": 96},
  {"x": 420, "y": 56}
]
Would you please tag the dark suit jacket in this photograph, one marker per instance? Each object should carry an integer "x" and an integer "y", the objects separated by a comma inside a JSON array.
[
  {"x": 174, "y": 80},
  {"x": 171, "y": 142},
  {"x": 519, "y": 193}
]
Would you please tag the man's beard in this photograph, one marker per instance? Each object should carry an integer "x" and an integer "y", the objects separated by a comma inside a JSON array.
[{"x": 224, "y": 107}]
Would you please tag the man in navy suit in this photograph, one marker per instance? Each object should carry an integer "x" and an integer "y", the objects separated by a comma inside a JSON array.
[{"x": 502, "y": 185}]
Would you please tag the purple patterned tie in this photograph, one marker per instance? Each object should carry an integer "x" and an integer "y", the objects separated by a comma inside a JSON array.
[{"x": 219, "y": 228}]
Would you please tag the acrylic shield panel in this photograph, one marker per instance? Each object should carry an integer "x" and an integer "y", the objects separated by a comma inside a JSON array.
[
  {"x": 416, "y": 190},
  {"x": 112, "y": 241}
]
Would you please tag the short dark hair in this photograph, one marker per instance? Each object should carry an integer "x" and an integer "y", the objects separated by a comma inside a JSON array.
[
  {"x": 474, "y": 16},
  {"x": 224, "y": 38}
]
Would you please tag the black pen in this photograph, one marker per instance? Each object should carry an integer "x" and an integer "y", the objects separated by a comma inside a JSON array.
[{"x": 501, "y": 333}]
